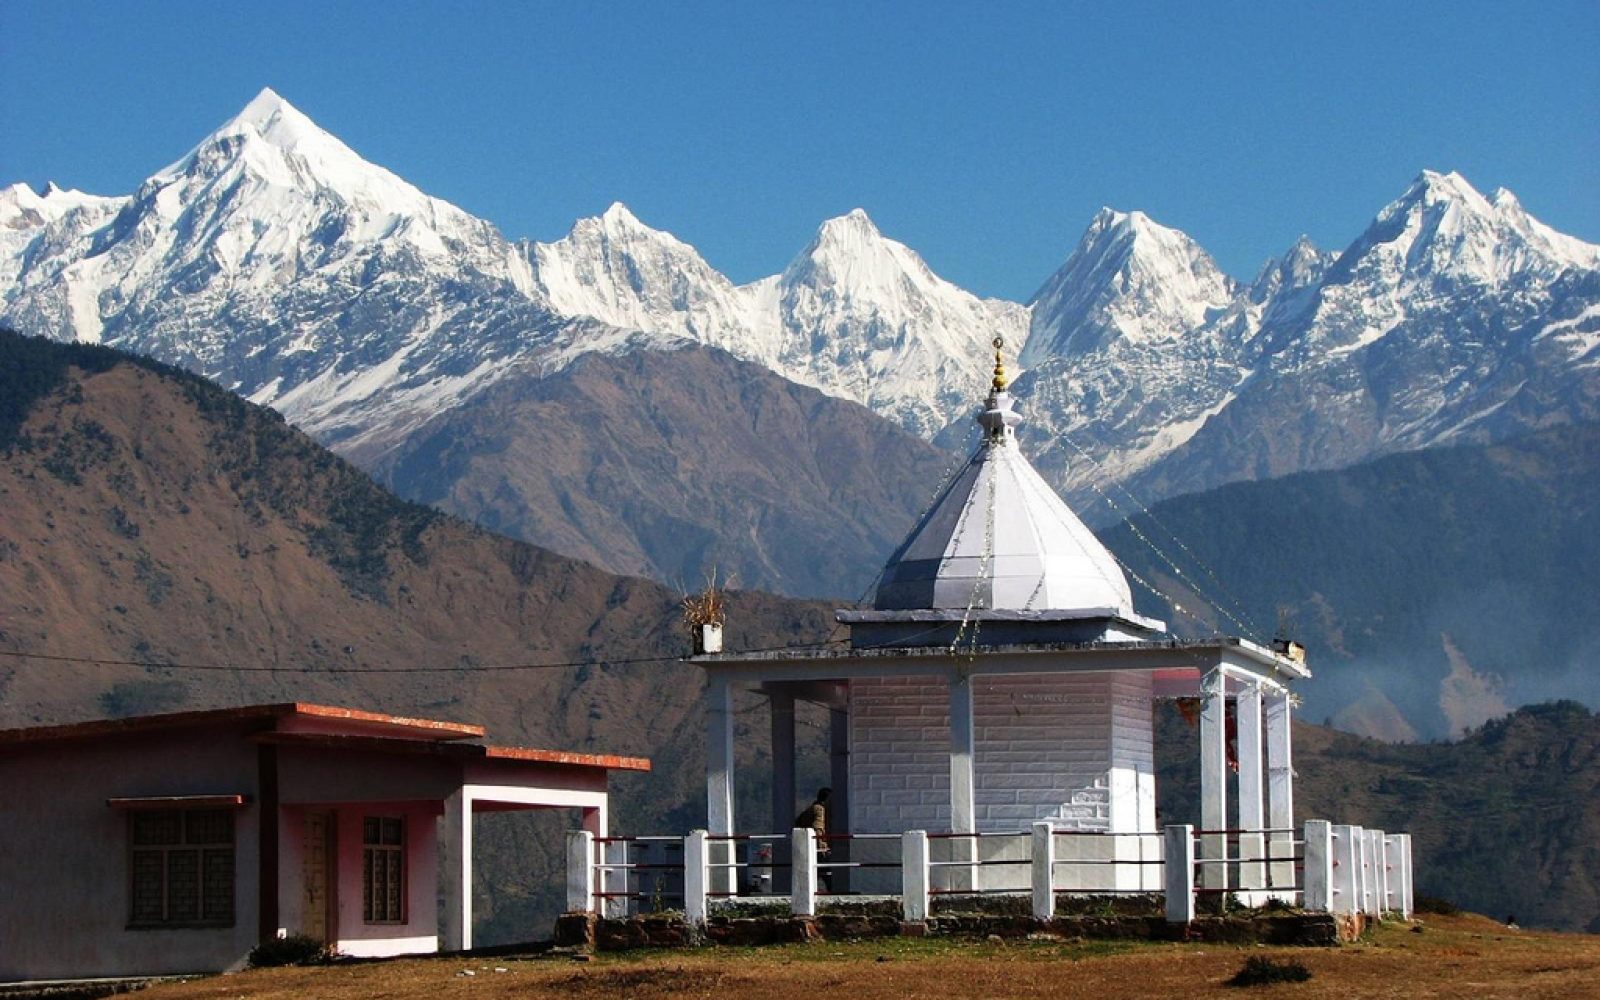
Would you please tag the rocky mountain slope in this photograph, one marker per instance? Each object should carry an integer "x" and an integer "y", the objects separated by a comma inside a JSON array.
[
  {"x": 1504, "y": 820},
  {"x": 666, "y": 463},
  {"x": 152, "y": 517},
  {"x": 1453, "y": 317},
  {"x": 1433, "y": 589}
]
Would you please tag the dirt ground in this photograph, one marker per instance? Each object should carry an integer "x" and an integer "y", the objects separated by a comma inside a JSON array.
[{"x": 1465, "y": 956}]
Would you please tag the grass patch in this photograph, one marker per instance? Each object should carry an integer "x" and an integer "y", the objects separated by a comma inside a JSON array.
[
  {"x": 296, "y": 949},
  {"x": 1259, "y": 970}
]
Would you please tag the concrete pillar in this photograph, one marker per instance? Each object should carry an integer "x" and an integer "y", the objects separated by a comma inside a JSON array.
[
  {"x": 914, "y": 872},
  {"x": 455, "y": 865},
  {"x": 696, "y": 877},
  {"x": 963, "y": 816},
  {"x": 1252, "y": 804},
  {"x": 1179, "y": 870},
  {"x": 839, "y": 803},
  {"x": 719, "y": 780},
  {"x": 963, "y": 812},
  {"x": 580, "y": 871},
  {"x": 1044, "y": 871},
  {"x": 1318, "y": 892},
  {"x": 1406, "y": 898},
  {"x": 783, "y": 778},
  {"x": 1367, "y": 893},
  {"x": 1380, "y": 873},
  {"x": 1280, "y": 789},
  {"x": 1214, "y": 779},
  {"x": 605, "y": 879},
  {"x": 803, "y": 899},
  {"x": 1391, "y": 868},
  {"x": 719, "y": 755},
  {"x": 1346, "y": 870}
]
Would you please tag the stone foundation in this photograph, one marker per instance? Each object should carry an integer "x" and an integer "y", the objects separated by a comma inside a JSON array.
[{"x": 672, "y": 931}]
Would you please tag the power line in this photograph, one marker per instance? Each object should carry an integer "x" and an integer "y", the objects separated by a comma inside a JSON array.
[{"x": 481, "y": 668}]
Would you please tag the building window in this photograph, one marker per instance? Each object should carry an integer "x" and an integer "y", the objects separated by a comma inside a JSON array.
[
  {"x": 181, "y": 862},
  {"x": 383, "y": 869}
]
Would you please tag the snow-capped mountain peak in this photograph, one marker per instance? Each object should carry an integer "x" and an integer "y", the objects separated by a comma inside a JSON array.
[
  {"x": 851, "y": 254},
  {"x": 280, "y": 123},
  {"x": 1128, "y": 278},
  {"x": 615, "y": 268},
  {"x": 278, "y": 160},
  {"x": 21, "y": 207},
  {"x": 1442, "y": 234}
]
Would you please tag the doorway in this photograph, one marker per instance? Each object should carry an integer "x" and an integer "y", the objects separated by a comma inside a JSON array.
[{"x": 319, "y": 880}]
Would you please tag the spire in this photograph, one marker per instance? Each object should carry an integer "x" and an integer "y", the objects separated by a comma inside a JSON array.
[
  {"x": 999, "y": 538},
  {"x": 998, "y": 418}
]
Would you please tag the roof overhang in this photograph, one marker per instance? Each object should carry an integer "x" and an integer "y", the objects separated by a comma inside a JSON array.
[
  {"x": 458, "y": 751},
  {"x": 236, "y": 800},
  {"x": 281, "y": 714},
  {"x": 1110, "y": 616},
  {"x": 1226, "y": 654}
]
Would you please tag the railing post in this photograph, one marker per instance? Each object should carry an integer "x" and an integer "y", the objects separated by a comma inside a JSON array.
[
  {"x": 1368, "y": 877},
  {"x": 1317, "y": 896},
  {"x": 580, "y": 871},
  {"x": 696, "y": 878},
  {"x": 803, "y": 900},
  {"x": 1346, "y": 870},
  {"x": 1044, "y": 871},
  {"x": 1391, "y": 873},
  {"x": 914, "y": 872},
  {"x": 1179, "y": 870},
  {"x": 1380, "y": 872},
  {"x": 1405, "y": 882},
  {"x": 614, "y": 879}
]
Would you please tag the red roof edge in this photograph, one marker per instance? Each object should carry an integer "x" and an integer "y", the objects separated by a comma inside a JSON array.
[
  {"x": 610, "y": 761},
  {"x": 277, "y": 710}
]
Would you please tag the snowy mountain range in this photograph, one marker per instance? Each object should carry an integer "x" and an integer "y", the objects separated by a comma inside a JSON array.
[{"x": 275, "y": 260}]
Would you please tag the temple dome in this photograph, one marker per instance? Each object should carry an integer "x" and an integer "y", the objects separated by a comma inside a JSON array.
[{"x": 999, "y": 538}]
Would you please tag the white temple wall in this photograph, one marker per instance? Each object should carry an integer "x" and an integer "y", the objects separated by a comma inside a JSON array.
[
  {"x": 1073, "y": 748},
  {"x": 899, "y": 754}
]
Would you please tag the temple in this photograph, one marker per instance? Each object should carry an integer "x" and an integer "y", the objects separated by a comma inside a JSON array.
[{"x": 1002, "y": 678}]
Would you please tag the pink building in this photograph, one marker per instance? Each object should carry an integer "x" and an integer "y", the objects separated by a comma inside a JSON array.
[{"x": 176, "y": 843}]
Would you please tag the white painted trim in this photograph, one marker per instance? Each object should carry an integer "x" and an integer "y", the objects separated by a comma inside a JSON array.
[
  {"x": 962, "y": 747},
  {"x": 1252, "y": 803}
]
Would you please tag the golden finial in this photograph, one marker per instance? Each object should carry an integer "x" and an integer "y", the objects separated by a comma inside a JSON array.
[{"x": 999, "y": 366}]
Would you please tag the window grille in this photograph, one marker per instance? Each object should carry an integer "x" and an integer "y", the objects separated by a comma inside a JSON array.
[
  {"x": 383, "y": 866},
  {"x": 181, "y": 868}
]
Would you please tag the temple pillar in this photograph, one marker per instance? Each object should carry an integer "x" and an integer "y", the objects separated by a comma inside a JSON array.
[
  {"x": 1252, "y": 809},
  {"x": 1214, "y": 779},
  {"x": 1280, "y": 789},
  {"x": 963, "y": 812},
  {"x": 839, "y": 804},
  {"x": 783, "y": 774},
  {"x": 719, "y": 780}
]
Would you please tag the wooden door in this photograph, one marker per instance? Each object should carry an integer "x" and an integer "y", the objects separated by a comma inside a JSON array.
[{"x": 318, "y": 879}]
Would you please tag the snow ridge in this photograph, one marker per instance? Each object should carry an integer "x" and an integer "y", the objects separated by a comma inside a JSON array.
[{"x": 274, "y": 259}]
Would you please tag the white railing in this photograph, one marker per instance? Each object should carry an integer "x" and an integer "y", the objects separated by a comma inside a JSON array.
[{"x": 1326, "y": 869}]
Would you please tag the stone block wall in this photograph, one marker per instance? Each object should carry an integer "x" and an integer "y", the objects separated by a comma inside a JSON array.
[{"x": 1073, "y": 748}]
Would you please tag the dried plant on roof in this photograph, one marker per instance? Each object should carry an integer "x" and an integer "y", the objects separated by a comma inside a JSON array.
[{"x": 708, "y": 607}]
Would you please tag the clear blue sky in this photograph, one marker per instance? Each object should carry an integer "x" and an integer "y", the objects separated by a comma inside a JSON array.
[{"x": 984, "y": 134}]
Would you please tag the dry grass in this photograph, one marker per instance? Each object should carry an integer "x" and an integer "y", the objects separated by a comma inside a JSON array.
[{"x": 1453, "y": 957}]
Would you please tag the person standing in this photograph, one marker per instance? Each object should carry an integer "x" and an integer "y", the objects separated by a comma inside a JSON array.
[{"x": 815, "y": 817}]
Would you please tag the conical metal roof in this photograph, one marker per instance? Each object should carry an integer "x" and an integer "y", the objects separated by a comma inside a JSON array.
[{"x": 999, "y": 538}]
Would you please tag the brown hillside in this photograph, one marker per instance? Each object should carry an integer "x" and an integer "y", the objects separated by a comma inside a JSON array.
[
  {"x": 148, "y": 515},
  {"x": 667, "y": 463}
]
